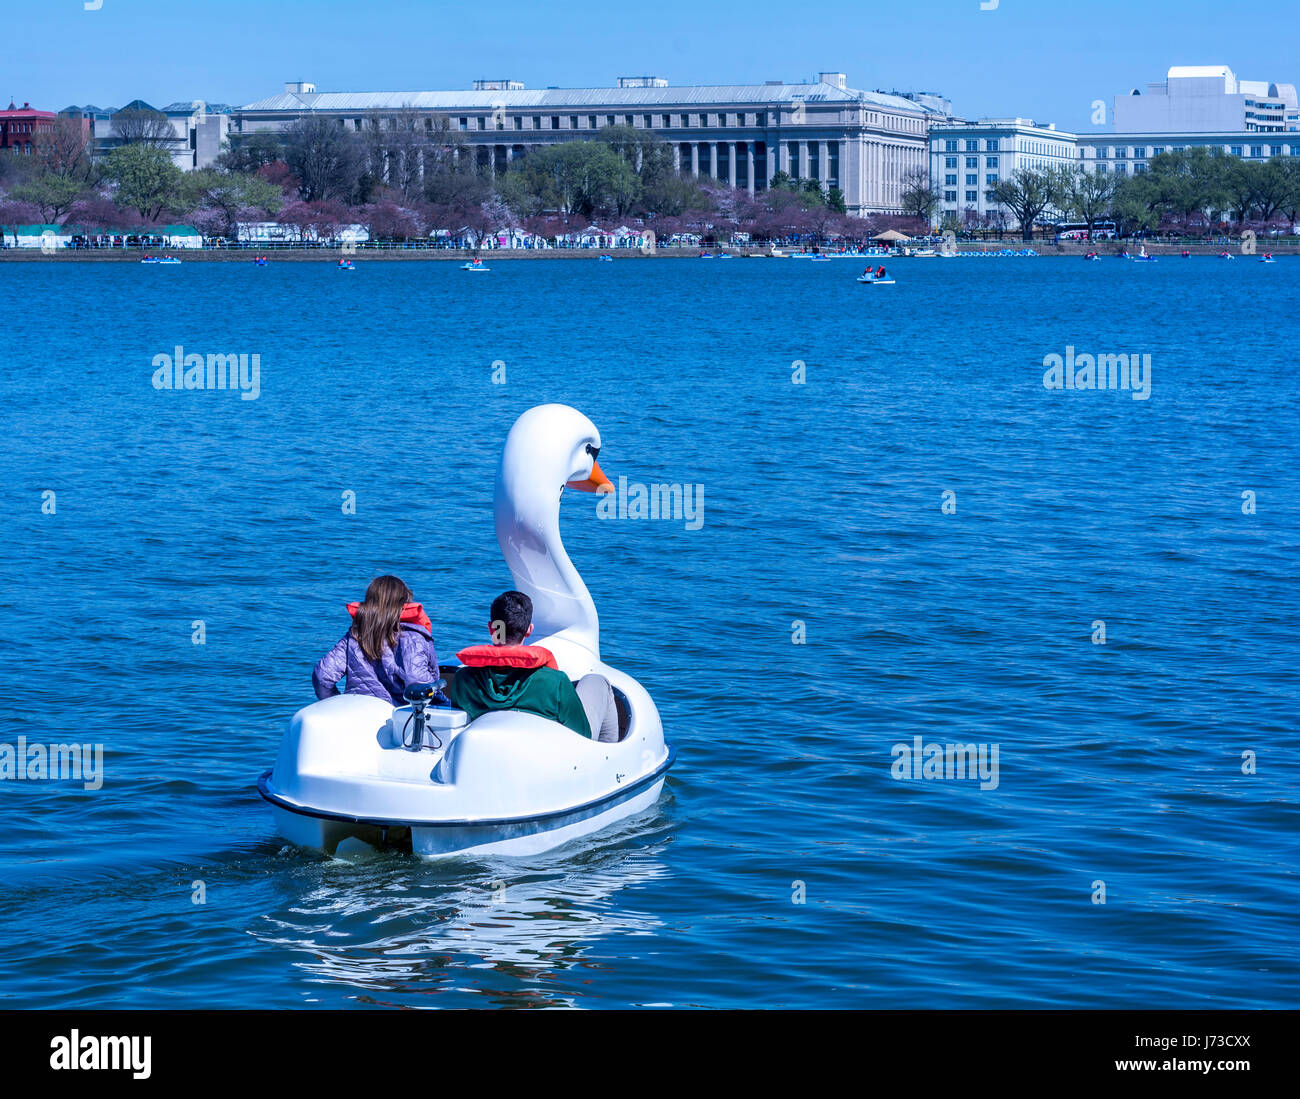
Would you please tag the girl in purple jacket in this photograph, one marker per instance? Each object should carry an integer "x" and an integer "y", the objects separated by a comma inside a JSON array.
[{"x": 389, "y": 645}]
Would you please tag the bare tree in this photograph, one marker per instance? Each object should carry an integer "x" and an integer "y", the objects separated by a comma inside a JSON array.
[
  {"x": 64, "y": 149},
  {"x": 919, "y": 199},
  {"x": 1028, "y": 192},
  {"x": 1089, "y": 195},
  {"x": 136, "y": 126},
  {"x": 325, "y": 157}
]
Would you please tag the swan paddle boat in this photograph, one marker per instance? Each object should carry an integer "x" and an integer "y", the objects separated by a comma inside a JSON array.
[{"x": 355, "y": 770}]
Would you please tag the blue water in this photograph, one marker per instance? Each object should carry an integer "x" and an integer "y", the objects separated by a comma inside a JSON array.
[{"x": 1119, "y": 763}]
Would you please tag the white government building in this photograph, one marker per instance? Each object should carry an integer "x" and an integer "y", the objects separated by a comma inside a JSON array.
[
  {"x": 863, "y": 142},
  {"x": 1194, "y": 106}
]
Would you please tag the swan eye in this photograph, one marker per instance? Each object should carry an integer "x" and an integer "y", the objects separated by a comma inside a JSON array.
[{"x": 594, "y": 451}]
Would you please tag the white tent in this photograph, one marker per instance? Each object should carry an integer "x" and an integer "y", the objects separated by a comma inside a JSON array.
[{"x": 49, "y": 237}]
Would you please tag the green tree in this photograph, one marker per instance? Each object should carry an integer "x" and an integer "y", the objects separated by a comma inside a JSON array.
[
  {"x": 671, "y": 196},
  {"x": 581, "y": 177},
  {"x": 1273, "y": 186},
  {"x": 1290, "y": 206},
  {"x": 1189, "y": 183},
  {"x": 52, "y": 194},
  {"x": 252, "y": 152},
  {"x": 1136, "y": 203},
  {"x": 147, "y": 181},
  {"x": 228, "y": 193}
]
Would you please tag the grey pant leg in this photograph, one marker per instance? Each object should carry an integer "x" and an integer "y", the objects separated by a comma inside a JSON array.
[{"x": 597, "y": 698}]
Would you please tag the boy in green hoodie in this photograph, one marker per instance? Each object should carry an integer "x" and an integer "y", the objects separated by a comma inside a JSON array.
[{"x": 509, "y": 675}]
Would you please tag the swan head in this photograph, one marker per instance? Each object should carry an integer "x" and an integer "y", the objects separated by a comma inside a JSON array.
[{"x": 550, "y": 447}]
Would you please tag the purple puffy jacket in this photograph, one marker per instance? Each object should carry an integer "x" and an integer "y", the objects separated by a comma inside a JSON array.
[{"x": 415, "y": 661}]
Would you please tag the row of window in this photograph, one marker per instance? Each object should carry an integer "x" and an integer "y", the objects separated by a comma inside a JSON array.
[
  {"x": 971, "y": 162},
  {"x": 499, "y": 121},
  {"x": 951, "y": 145},
  {"x": 1140, "y": 152}
]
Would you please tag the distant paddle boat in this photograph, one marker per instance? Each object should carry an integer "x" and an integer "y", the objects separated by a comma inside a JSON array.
[
  {"x": 605, "y": 259},
  {"x": 475, "y": 265},
  {"x": 1267, "y": 257}
]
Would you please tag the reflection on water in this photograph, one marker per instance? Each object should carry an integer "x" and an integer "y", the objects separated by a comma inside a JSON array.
[{"x": 402, "y": 931}]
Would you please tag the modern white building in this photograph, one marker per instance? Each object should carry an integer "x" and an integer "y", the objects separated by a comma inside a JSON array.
[
  {"x": 968, "y": 159},
  {"x": 1207, "y": 99},
  {"x": 198, "y": 129},
  {"x": 863, "y": 142}
]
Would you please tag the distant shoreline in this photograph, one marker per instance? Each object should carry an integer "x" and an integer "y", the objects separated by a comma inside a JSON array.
[{"x": 332, "y": 255}]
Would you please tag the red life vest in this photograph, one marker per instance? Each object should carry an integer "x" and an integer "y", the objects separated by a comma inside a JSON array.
[
  {"x": 507, "y": 656},
  {"x": 411, "y": 612}
]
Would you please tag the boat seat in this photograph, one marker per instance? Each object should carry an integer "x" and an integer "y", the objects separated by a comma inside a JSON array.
[
  {"x": 624, "y": 712},
  {"x": 621, "y": 705}
]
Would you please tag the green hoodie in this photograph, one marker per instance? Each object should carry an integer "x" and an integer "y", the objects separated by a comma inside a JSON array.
[{"x": 542, "y": 691}]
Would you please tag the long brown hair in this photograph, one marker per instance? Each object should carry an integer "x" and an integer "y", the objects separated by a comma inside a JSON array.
[{"x": 375, "y": 623}]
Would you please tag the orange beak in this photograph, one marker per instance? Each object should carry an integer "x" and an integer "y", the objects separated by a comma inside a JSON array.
[{"x": 597, "y": 482}]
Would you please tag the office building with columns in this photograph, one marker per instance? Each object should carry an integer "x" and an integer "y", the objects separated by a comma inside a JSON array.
[{"x": 864, "y": 143}]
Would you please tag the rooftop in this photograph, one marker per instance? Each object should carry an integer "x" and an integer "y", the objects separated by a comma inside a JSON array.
[{"x": 641, "y": 95}]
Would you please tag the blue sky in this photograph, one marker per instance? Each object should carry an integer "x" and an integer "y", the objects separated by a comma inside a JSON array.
[{"x": 1042, "y": 59}]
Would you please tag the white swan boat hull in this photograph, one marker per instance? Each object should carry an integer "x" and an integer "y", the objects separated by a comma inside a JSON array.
[{"x": 509, "y": 783}]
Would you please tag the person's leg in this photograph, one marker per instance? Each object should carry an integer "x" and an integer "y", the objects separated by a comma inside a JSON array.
[{"x": 597, "y": 698}]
